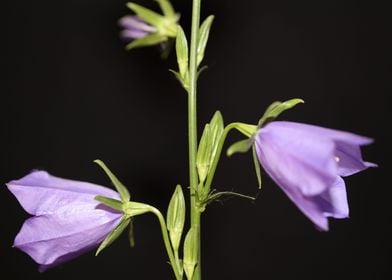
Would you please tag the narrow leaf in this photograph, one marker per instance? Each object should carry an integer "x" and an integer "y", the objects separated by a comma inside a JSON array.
[
  {"x": 176, "y": 217},
  {"x": 216, "y": 196},
  {"x": 121, "y": 189},
  {"x": 204, "y": 33},
  {"x": 276, "y": 108},
  {"x": 240, "y": 147},
  {"x": 216, "y": 129},
  {"x": 182, "y": 51},
  {"x": 114, "y": 234},
  {"x": 149, "y": 40},
  {"x": 110, "y": 202},
  {"x": 190, "y": 253},
  {"x": 147, "y": 15},
  {"x": 247, "y": 129},
  {"x": 257, "y": 166}
]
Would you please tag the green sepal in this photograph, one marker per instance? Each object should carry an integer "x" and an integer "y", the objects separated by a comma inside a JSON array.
[
  {"x": 204, "y": 154},
  {"x": 190, "y": 254},
  {"x": 240, "y": 147},
  {"x": 166, "y": 8},
  {"x": 131, "y": 208},
  {"x": 149, "y": 40},
  {"x": 204, "y": 33},
  {"x": 114, "y": 234},
  {"x": 110, "y": 202},
  {"x": 247, "y": 129},
  {"x": 175, "y": 218},
  {"x": 208, "y": 145},
  {"x": 257, "y": 165},
  {"x": 121, "y": 189},
  {"x": 182, "y": 52},
  {"x": 276, "y": 108},
  {"x": 147, "y": 15}
]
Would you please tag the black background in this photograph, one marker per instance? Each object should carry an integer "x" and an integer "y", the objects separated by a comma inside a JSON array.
[{"x": 71, "y": 94}]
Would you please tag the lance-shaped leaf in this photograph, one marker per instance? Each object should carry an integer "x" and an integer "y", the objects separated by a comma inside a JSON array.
[
  {"x": 147, "y": 15},
  {"x": 121, "y": 189},
  {"x": 276, "y": 108},
  {"x": 114, "y": 234},
  {"x": 240, "y": 147},
  {"x": 190, "y": 253},
  {"x": 204, "y": 33},
  {"x": 166, "y": 8},
  {"x": 247, "y": 129},
  {"x": 176, "y": 217},
  {"x": 131, "y": 208},
  {"x": 257, "y": 166},
  {"x": 148, "y": 40},
  {"x": 182, "y": 52}
]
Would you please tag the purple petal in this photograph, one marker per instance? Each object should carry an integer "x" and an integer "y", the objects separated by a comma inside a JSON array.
[
  {"x": 39, "y": 193},
  {"x": 53, "y": 239},
  {"x": 349, "y": 159},
  {"x": 297, "y": 158},
  {"x": 333, "y": 202},
  {"x": 135, "y": 23},
  {"x": 132, "y": 34}
]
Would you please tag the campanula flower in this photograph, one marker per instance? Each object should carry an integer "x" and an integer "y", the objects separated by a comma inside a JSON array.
[
  {"x": 308, "y": 162},
  {"x": 134, "y": 28},
  {"x": 66, "y": 219}
]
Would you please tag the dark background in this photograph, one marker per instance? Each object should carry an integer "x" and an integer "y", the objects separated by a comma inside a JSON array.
[{"x": 71, "y": 94}]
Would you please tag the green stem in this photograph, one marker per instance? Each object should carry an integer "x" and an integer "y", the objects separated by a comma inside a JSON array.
[
  {"x": 192, "y": 130},
  {"x": 166, "y": 240}
]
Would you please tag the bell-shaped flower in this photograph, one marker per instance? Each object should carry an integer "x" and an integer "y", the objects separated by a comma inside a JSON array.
[
  {"x": 67, "y": 221},
  {"x": 134, "y": 28},
  {"x": 307, "y": 162}
]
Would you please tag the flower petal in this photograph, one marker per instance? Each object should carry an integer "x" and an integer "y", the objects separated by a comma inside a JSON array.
[
  {"x": 135, "y": 23},
  {"x": 350, "y": 159},
  {"x": 53, "y": 239},
  {"x": 40, "y": 193},
  {"x": 297, "y": 158},
  {"x": 333, "y": 202}
]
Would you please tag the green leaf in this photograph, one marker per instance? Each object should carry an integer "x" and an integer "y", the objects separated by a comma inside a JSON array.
[
  {"x": 114, "y": 234},
  {"x": 149, "y": 40},
  {"x": 166, "y": 8},
  {"x": 276, "y": 108},
  {"x": 184, "y": 82},
  {"x": 147, "y": 15},
  {"x": 240, "y": 147},
  {"x": 257, "y": 165},
  {"x": 203, "y": 156},
  {"x": 190, "y": 253},
  {"x": 110, "y": 202},
  {"x": 176, "y": 217},
  {"x": 121, "y": 189},
  {"x": 204, "y": 33},
  {"x": 182, "y": 51}
]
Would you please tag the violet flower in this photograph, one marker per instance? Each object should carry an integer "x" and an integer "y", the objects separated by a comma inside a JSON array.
[
  {"x": 67, "y": 221},
  {"x": 134, "y": 28},
  {"x": 308, "y": 162}
]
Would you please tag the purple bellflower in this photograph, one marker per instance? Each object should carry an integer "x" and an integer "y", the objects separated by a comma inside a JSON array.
[
  {"x": 67, "y": 221},
  {"x": 134, "y": 28},
  {"x": 308, "y": 162}
]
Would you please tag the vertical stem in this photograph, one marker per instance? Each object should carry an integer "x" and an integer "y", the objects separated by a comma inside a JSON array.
[{"x": 192, "y": 129}]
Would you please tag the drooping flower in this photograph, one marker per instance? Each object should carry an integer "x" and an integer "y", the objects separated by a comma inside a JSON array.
[
  {"x": 67, "y": 221},
  {"x": 148, "y": 28},
  {"x": 308, "y": 162}
]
